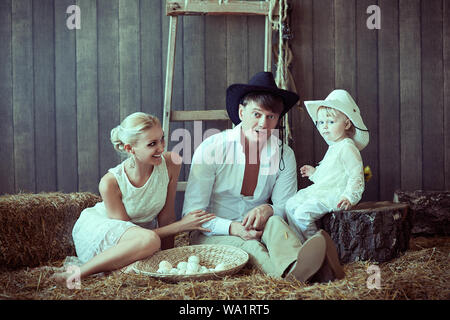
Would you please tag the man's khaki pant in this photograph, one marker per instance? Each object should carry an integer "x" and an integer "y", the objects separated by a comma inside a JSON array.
[{"x": 277, "y": 249}]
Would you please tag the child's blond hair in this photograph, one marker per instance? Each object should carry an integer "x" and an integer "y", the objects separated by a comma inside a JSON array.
[
  {"x": 131, "y": 128},
  {"x": 332, "y": 112}
]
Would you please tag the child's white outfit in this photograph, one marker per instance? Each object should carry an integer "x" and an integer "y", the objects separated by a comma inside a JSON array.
[
  {"x": 94, "y": 231},
  {"x": 339, "y": 174}
]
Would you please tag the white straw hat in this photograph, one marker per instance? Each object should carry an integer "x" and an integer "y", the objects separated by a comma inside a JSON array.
[{"x": 341, "y": 100}]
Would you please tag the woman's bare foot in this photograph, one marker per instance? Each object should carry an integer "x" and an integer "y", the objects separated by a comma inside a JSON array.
[{"x": 69, "y": 279}]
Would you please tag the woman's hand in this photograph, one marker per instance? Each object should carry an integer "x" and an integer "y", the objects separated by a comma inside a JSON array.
[
  {"x": 307, "y": 171},
  {"x": 194, "y": 220}
]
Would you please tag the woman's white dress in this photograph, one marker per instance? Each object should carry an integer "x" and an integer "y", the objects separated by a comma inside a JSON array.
[{"x": 95, "y": 232}]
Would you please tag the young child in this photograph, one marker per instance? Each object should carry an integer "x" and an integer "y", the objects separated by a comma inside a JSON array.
[
  {"x": 136, "y": 216},
  {"x": 339, "y": 177}
]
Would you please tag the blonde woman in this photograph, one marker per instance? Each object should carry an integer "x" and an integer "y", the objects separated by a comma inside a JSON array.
[{"x": 136, "y": 217}]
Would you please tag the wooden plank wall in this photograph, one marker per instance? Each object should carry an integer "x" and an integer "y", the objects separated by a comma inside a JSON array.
[
  {"x": 61, "y": 90},
  {"x": 398, "y": 75}
]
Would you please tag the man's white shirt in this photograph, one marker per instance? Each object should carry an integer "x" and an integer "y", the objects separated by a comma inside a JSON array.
[{"x": 216, "y": 176}]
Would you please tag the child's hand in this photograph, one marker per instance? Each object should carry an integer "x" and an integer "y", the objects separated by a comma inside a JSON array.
[
  {"x": 194, "y": 220},
  {"x": 344, "y": 204},
  {"x": 307, "y": 171}
]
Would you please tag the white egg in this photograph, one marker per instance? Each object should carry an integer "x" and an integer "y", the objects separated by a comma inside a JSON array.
[
  {"x": 181, "y": 271},
  {"x": 173, "y": 271},
  {"x": 194, "y": 259},
  {"x": 165, "y": 265},
  {"x": 192, "y": 267},
  {"x": 182, "y": 265},
  {"x": 221, "y": 267},
  {"x": 204, "y": 269},
  {"x": 163, "y": 270}
]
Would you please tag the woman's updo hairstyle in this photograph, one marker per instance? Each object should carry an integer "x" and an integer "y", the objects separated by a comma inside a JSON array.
[{"x": 131, "y": 128}]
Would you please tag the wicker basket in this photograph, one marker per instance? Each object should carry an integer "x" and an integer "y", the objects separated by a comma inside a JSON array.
[{"x": 210, "y": 256}]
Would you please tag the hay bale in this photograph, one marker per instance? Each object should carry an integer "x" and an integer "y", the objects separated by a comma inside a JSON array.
[
  {"x": 376, "y": 231},
  {"x": 430, "y": 211},
  {"x": 37, "y": 228}
]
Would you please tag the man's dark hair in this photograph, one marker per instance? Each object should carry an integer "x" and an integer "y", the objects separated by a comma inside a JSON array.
[{"x": 267, "y": 100}]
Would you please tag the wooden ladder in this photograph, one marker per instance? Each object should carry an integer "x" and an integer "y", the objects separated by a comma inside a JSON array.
[{"x": 175, "y": 8}]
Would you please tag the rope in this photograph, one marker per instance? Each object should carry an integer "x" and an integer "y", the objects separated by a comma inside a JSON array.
[{"x": 283, "y": 55}]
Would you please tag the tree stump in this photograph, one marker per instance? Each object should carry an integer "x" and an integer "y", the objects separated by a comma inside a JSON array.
[
  {"x": 430, "y": 211},
  {"x": 376, "y": 231}
]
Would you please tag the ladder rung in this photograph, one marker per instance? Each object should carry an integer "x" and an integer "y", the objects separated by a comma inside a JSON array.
[
  {"x": 199, "y": 115},
  {"x": 213, "y": 7},
  {"x": 181, "y": 185}
]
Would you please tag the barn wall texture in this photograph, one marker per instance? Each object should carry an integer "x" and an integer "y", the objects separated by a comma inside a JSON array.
[{"x": 62, "y": 90}]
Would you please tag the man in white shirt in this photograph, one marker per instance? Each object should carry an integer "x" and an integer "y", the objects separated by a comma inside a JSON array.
[{"x": 245, "y": 176}]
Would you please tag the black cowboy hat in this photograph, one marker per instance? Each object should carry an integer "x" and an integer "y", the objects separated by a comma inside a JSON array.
[{"x": 260, "y": 82}]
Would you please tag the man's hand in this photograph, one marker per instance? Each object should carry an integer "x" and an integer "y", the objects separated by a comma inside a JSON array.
[
  {"x": 256, "y": 218},
  {"x": 237, "y": 229}
]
